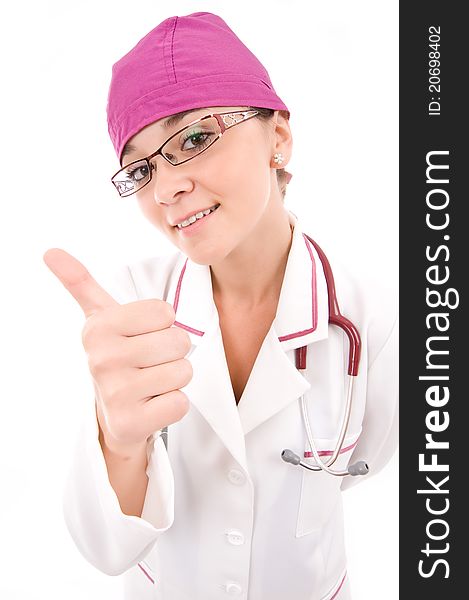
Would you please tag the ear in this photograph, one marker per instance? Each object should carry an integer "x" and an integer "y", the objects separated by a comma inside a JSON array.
[{"x": 283, "y": 141}]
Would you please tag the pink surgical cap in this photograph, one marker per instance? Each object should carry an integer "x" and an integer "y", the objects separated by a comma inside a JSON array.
[{"x": 186, "y": 62}]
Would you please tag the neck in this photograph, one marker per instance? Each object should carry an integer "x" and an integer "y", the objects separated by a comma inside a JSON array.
[{"x": 252, "y": 275}]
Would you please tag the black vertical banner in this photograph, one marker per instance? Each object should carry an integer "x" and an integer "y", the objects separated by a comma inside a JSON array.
[{"x": 434, "y": 259}]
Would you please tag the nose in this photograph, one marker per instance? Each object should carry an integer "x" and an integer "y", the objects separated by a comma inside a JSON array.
[{"x": 169, "y": 181}]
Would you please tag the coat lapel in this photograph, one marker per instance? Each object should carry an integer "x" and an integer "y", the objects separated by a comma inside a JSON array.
[
  {"x": 211, "y": 392},
  {"x": 274, "y": 383},
  {"x": 301, "y": 319}
]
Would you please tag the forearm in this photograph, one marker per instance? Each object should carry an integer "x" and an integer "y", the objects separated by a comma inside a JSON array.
[{"x": 127, "y": 475}]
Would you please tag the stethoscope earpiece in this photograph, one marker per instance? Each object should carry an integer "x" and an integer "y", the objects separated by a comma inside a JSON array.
[
  {"x": 358, "y": 468},
  {"x": 290, "y": 457}
]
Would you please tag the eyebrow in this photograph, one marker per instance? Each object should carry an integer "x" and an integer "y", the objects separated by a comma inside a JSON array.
[
  {"x": 174, "y": 119},
  {"x": 167, "y": 124}
]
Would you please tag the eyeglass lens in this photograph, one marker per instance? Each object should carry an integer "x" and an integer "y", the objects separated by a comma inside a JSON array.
[{"x": 184, "y": 146}]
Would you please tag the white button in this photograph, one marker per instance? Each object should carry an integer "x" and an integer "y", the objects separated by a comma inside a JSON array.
[
  {"x": 234, "y": 589},
  {"x": 235, "y": 537},
  {"x": 236, "y": 477}
]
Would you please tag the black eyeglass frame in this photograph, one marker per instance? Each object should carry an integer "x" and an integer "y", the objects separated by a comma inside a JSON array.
[{"x": 224, "y": 124}]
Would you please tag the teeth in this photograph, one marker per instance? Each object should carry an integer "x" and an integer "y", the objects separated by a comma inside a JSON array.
[{"x": 197, "y": 216}]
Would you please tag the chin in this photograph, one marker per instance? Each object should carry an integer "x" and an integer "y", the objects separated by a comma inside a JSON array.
[
  {"x": 202, "y": 258},
  {"x": 205, "y": 256}
]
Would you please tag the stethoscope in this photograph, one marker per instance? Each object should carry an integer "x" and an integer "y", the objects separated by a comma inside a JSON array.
[{"x": 335, "y": 318}]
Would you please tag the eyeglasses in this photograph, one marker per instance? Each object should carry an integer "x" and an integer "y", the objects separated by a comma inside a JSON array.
[{"x": 182, "y": 146}]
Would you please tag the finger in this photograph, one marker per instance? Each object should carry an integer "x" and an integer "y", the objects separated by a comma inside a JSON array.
[
  {"x": 154, "y": 348},
  {"x": 138, "y": 318},
  {"x": 78, "y": 281},
  {"x": 157, "y": 380},
  {"x": 165, "y": 409}
]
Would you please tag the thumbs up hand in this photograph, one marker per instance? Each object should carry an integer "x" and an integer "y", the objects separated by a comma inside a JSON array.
[{"x": 135, "y": 357}]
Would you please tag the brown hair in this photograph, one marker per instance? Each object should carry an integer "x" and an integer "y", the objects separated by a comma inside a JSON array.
[{"x": 265, "y": 114}]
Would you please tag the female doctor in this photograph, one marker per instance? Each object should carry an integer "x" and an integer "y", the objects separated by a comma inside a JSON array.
[{"x": 221, "y": 383}]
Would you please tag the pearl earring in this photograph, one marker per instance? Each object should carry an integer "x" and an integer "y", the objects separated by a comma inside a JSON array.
[{"x": 278, "y": 157}]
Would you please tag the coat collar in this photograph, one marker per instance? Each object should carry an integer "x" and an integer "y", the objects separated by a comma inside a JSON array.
[
  {"x": 302, "y": 312},
  {"x": 274, "y": 382}
]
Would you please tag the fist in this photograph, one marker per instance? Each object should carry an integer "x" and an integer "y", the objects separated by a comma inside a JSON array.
[{"x": 135, "y": 357}]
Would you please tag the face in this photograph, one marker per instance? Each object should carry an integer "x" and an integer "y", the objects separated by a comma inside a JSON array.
[{"x": 234, "y": 174}]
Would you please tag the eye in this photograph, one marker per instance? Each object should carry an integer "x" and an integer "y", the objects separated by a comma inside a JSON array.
[
  {"x": 196, "y": 140},
  {"x": 137, "y": 172}
]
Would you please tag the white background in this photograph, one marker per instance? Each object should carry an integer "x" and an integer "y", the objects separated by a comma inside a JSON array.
[{"x": 335, "y": 66}]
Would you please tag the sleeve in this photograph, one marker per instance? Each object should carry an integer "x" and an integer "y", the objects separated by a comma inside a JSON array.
[
  {"x": 379, "y": 438},
  {"x": 106, "y": 537}
]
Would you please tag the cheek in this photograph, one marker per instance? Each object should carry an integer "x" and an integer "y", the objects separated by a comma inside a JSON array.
[
  {"x": 244, "y": 175},
  {"x": 236, "y": 161},
  {"x": 250, "y": 190}
]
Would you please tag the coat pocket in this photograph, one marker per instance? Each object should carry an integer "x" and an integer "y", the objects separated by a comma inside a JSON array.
[{"x": 320, "y": 491}]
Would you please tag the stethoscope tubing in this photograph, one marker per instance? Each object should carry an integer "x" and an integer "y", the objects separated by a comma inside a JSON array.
[
  {"x": 335, "y": 316},
  {"x": 321, "y": 465},
  {"x": 324, "y": 465},
  {"x": 337, "y": 319}
]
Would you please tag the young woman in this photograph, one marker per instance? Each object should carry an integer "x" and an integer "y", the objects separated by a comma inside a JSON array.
[{"x": 231, "y": 487}]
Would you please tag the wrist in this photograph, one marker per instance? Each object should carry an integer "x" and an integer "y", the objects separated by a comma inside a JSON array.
[{"x": 114, "y": 448}]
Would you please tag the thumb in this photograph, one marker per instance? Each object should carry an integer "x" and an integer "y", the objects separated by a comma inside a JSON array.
[{"x": 78, "y": 281}]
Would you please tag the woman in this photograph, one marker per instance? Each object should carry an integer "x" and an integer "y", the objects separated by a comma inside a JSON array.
[{"x": 206, "y": 506}]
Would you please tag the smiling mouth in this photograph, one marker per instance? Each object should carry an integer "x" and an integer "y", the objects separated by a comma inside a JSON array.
[{"x": 197, "y": 216}]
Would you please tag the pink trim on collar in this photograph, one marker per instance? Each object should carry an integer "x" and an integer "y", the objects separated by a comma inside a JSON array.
[
  {"x": 176, "y": 303},
  {"x": 283, "y": 338},
  {"x": 178, "y": 288},
  {"x": 314, "y": 316},
  {"x": 189, "y": 329}
]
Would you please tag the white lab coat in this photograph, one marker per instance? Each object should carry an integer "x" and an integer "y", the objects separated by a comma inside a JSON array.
[{"x": 224, "y": 515}]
